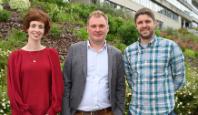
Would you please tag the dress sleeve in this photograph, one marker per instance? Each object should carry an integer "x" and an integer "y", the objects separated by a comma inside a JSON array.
[
  {"x": 57, "y": 83},
  {"x": 18, "y": 107}
]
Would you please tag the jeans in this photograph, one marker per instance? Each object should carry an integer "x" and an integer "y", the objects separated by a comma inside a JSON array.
[{"x": 171, "y": 113}]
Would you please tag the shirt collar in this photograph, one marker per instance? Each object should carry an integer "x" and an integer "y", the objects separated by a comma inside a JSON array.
[
  {"x": 103, "y": 48},
  {"x": 151, "y": 43}
]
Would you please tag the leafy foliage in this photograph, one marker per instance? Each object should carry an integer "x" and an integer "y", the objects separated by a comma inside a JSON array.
[
  {"x": 15, "y": 39},
  {"x": 128, "y": 33},
  {"x": 55, "y": 30},
  {"x": 58, "y": 2},
  {"x": 157, "y": 32},
  {"x": 1, "y": 7},
  {"x": 121, "y": 46},
  {"x": 190, "y": 53},
  {"x": 122, "y": 33},
  {"x": 4, "y": 15},
  {"x": 82, "y": 34},
  {"x": 187, "y": 97},
  {"x": 19, "y": 5},
  {"x": 4, "y": 103}
]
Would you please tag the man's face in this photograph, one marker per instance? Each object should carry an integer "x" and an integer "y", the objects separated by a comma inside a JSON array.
[
  {"x": 97, "y": 29},
  {"x": 145, "y": 26}
]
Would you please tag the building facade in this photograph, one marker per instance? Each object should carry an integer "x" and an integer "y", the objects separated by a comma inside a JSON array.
[{"x": 169, "y": 13}]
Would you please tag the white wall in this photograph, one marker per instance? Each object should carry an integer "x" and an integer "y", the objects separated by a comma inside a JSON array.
[{"x": 167, "y": 22}]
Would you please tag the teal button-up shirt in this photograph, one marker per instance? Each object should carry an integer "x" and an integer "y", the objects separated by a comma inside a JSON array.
[{"x": 154, "y": 73}]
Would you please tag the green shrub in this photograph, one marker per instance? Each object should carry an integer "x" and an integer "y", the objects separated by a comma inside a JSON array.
[
  {"x": 58, "y": 2},
  {"x": 190, "y": 53},
  {"x": 115, "y": 23},
  {"x": 187, "y": 97},
  {"x": 3, "y": 58},
  {"x": 54, "y": 15},
  {"x": 157, "y": 32},
  {"x": 183, "y": 31},
  {"x": 189, "y": 36},
  {"x": 128, "y": 33},
  {"x": 128, "y": 95},
  {"x": 196, "y": 28},
  {"x": 19, "y": 5},
  {"x": 180, "y": 33},
  {"x": 112, "y": 37},
  {"x": 1, "y": 7},
  {"x": 171, "y": 31},
  {"x": 63, "y": 16},
  {"x": 51, "y": 8},
  {"x": 125, "y": 29},
  {"x": 57, "y": 13},
  {"x": 81, "y": 33},
  {"x": 55, "y": 31},
  {"x": 15, "y": 39},
  {"x": 82, "y": 10},
  {"x": 4, "y": 15},
  {"x": 109, "y": 9},
  {"x": 4, "y": 103},
  {"x": 5, "y": 1},
  {"x": 36, "y": 3},
  {"x": 120, "y": 46}
]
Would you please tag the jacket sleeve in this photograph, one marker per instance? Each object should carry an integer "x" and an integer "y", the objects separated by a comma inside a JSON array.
[
  {"x": 18, "y": 107},
  {"x": 120, "y": 85},
  {"x": 67, "y": 83},
  {"x": 57, "y": 83}
]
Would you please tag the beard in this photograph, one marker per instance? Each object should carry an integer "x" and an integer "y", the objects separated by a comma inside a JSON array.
[{"x": 146, "y": 35}]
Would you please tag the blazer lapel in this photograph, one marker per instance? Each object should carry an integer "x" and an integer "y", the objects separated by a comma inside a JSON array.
[
  {"x": 84, "y": 58},
  {"x": 110, "y": 63}
]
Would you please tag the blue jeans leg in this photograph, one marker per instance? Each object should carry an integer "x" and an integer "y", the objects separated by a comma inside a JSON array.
[
  {"x": 129, "y": 113},
  {"x": 172, "y": 113}
]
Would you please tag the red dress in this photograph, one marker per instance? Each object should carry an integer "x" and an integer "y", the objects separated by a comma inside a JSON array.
[{"x": 35, "y": 82}]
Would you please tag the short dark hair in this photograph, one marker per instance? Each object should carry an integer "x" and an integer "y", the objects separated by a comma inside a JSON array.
[
  {"x": 144, "y": 11},
  {"x": 36, "y": 14}
]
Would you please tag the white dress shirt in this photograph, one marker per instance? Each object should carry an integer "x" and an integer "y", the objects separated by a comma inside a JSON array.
[{"x": 96, "y": 94}]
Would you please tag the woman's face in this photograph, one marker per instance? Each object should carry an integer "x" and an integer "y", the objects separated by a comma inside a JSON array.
[{"x": 36, "y": 30}]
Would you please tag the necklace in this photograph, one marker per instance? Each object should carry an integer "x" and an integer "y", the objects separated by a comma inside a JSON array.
[
  {"x": 34, "y": 56},
  {"x": 34, "y": 60}
]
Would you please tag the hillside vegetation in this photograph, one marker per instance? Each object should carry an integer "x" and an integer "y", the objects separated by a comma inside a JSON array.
[{"x": 69, "y": 26}]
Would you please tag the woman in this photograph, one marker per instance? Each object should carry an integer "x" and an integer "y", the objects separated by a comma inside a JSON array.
[{"x": 35, "y": 82}]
